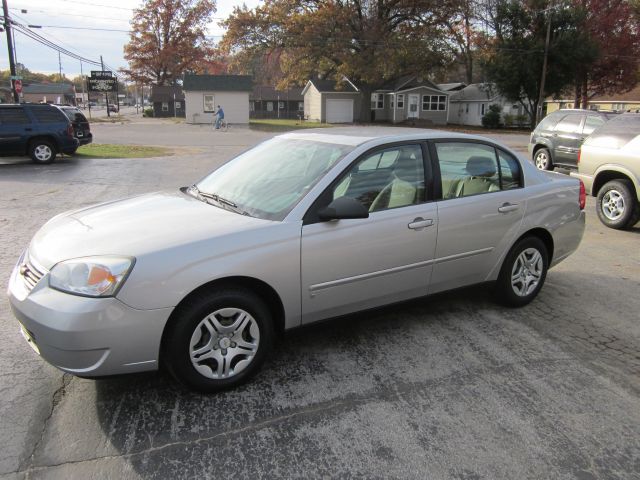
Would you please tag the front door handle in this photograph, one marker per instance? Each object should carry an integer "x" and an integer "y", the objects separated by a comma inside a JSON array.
[
  {"x": 508, "y": 207},
  {"x": 420, "y": 223}
]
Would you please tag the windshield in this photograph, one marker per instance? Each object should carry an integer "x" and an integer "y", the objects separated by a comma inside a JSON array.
[{"x": 270, "y": 179}]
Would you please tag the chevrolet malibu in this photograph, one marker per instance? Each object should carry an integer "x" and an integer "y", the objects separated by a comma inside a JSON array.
[{"x": 303, "y": 227}]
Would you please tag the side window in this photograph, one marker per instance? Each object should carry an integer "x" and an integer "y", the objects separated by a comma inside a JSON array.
[
  {"x": 467, "y": 169},
  {"x": 591, "y": 123},
  {"x": 389, "y": 178},
  {"x": 49, "y": 115},
  {"x": 13, "y": 116},
  {"x": 510, "y": 171},
  {"x": 569, "y": 124}
]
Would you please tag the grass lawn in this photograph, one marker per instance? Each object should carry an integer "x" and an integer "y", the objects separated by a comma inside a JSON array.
[
  {"x": 277, "y": 124},
  {"x": 97, "y": 150}
]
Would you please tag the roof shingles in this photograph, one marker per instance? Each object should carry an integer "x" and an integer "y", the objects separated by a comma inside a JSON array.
[{"x": 224, "y": 83}]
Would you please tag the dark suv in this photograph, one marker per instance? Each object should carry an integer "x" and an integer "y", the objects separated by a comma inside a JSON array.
[
  {"x": 81, "y": 127},
  {"x": 38, "y": 130},
  {"x": 557, "y": 138}
]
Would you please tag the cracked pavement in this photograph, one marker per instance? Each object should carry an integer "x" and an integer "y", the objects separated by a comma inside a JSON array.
[{"x": 451, "y": 386}]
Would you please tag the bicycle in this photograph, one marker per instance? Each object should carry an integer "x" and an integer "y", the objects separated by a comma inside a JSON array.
[{"x": 224, "y": 125}]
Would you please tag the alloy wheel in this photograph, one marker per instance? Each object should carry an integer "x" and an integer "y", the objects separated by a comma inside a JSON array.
[
  {"x": 43, "y": 153},
  {"x": 542, "y": 160},
  {"x": 613, "y": 205}
]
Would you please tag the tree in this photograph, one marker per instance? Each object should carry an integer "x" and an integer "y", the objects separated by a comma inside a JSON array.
[
  {"x": 168, "y": 37},
  {"x": 613, "y": 26},
  {"x": 367, "y": 41},
  {"x": 518, "y": 48}
]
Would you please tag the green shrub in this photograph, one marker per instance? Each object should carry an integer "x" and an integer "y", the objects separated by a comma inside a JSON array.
[
  {"x": 148, "y": 112},
  {"x": 491, "y": 119},
  {"x": 508, "y": 120}
]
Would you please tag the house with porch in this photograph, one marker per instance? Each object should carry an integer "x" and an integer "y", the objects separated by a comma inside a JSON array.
[
  {"x": 410, "y": 99},
  {"x": 616, "y": 102},
  {"x": 203, "y": 94},
  {"x": 471, "y": 103},
  {"x": 267, "y": 102}
]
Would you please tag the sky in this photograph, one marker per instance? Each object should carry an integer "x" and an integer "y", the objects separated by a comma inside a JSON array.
[{"x": 112, "y": 16}]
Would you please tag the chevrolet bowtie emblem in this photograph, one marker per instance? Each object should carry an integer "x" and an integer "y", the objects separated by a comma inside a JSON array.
[{"x": 23, "y": 269}]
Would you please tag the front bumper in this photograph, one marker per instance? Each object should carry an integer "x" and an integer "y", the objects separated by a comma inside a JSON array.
[{"x": 86, "y": 336}]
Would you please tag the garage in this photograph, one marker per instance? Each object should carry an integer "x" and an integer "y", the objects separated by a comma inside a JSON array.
[{"x": 339, "y": 110}]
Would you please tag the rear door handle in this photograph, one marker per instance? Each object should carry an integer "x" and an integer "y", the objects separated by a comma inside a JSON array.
[
  {"x": 508, "y": 207},
  {"x": 420, "y": 223}
]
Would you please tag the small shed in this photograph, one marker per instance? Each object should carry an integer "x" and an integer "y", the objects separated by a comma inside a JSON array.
[
  {"x": 331, "y": 102},
  {"x": 267, "y": 102},
  {"x": 410, "y": 98},
  {"x": 168, "y": 101},
  {"x": 203, "y": 94}
]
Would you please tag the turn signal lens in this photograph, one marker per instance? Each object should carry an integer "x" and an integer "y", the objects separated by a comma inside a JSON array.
[
  {"x": 583, "y": 196},
  {"x": 91, "y": 276}
]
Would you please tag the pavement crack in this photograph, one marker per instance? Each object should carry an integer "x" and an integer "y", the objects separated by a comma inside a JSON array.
[{"x": 56, "y": 398}]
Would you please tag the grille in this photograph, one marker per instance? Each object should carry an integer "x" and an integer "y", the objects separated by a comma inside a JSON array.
[{"x": 31, "y": 274}]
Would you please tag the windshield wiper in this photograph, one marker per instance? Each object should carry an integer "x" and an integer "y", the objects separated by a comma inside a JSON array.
[{"x": 216, "y": 198}]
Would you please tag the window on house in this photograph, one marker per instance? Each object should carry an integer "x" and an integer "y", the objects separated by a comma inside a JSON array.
[
  {"x": 466, "y": 108},
  {"x": 269, "y": 106},
  {"x": 377, "y": 101},
  {"x": 209, "y": 103},
  {"x": 281, "y": 105},
  {"x": 252, "y": 106},
  {"x": 165, "y": 106},
  {"x": 434, "y": 102},
  {"x": 391, "y": 98},
  {"x": 481, "y": 108},
  {"x": 401, "y": 100},
  {"x": 300, "y": 106}
]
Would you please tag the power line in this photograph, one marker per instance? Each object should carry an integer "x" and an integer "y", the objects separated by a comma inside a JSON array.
[
  {"x": 51, "y": 13},
  {"x": 86, "y": 28}
]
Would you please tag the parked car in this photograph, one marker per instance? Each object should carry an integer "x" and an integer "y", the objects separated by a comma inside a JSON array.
[
  {"x": 302, "y": 227},
  {"x": 38, "y": 130},
  {"x": 113, "y": 108},
  {"x": 81, "y": 127},
  {"x": 609, "y": 166},
  {"x": 557, "y": 138}
]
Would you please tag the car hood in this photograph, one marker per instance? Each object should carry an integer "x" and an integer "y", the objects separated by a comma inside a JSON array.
[{"x": 134, "y": 227}]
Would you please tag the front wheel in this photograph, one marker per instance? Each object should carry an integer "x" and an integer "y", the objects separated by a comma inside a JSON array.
[
  {"x": 218, "y": 340},
  {"x": 617, "y": 205},
  {"x": 542, "y": 159},
  {"x": 42, "y": 151},
  {"x": 523, "y": 272}
]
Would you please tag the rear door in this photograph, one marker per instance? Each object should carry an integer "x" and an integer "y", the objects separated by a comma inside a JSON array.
[
  {"x": 567, "y": 138},
  {"x": 15, "y": 130},
  {"x": 480, "y": 211}
]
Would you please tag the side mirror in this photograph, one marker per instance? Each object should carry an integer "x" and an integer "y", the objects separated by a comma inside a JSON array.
[{"x": 343, "y": 208}]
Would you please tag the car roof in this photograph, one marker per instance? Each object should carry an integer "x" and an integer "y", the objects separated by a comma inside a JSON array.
[{"x": 355, "y": 136}]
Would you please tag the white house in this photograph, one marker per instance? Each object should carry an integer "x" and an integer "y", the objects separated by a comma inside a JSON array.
[
  {"x": 331, "y": 102},
  {"x": 203, "y": 94},
  {"x": 469, "y": 105}
]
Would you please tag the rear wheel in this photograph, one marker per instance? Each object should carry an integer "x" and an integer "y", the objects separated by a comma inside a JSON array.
[
  {"x": 218, "y": 340},
  {"x": 42, "y": 151},
  {"x": 523, "y": 272},
  {"x": 542, "y": 159},
  {"x": 617, "y": 205}
]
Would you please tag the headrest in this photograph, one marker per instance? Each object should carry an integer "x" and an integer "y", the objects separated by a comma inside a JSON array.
[
  {"x": 405, "y": 168},
  {"x": 481, "y": 166}
]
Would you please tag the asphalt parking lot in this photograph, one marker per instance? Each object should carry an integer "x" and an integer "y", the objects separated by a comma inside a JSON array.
[{"x": 451, "y": 386}]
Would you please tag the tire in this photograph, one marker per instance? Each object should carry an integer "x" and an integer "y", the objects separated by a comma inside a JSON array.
[
  {"x": 542, "y": 159},
  {"x": 218, "y": 340},
  {"x": 42, "y": 151},
  {"x": 523, "y": 272},
  {"x": 617, "y": 205}
]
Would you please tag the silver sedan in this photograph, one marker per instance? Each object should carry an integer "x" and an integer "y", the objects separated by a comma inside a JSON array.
[{"x": 303, "y": 227}]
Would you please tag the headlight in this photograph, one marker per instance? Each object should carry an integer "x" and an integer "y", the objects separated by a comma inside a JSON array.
[{"x": 91, "y": 276}]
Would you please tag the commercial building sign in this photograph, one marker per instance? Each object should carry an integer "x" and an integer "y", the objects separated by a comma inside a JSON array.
[{"x": 102, "y": 81}]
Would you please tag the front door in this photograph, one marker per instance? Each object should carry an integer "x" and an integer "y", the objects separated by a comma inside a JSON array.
[
  {"x": 413, "y": 106},
  {"x": 480, "y": 212},
  {"x": 350, "y": 265},
  {"x": 15, "y": 129},
  {"x": 567, "y": 138}
]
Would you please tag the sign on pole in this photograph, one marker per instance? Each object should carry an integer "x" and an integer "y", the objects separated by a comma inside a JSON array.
[
  {"x": 102, "y": 81},
  {"x": 17, "y": 85}
]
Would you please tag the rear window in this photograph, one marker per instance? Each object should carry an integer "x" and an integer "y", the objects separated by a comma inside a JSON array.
[
  {"x": 9, "y": 116},
  {"x": 617, "y": 132},
  {"x": 74, "y": 115},
  {"x": 549, "y": 122},
  {"x": 48, "y": 115}
]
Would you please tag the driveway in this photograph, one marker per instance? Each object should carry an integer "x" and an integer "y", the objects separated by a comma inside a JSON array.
[{"x": 451, "y": 386}]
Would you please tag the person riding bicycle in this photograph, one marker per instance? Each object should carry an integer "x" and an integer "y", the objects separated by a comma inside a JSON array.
[{"x": 219, "y": 117}]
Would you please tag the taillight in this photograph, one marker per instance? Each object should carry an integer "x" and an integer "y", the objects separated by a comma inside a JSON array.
[
  {"x": 583, "y": 196},
  {"x": 70, "y": 130},
  {"x": 579, "y": 154}
]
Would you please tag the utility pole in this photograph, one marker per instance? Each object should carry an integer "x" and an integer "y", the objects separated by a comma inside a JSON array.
[
  {"x": 544, "y": 69},
  {"x": 12, "y": 65},
  {"x": 106, "y": 94},
  {"x": 60, "y": 79}
]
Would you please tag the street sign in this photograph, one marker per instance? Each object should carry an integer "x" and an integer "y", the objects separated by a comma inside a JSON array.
[
  {"x": 16, "y": 77},
  {"x": 101, "y": 73},
  {"x": 17, "y": 85}
]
